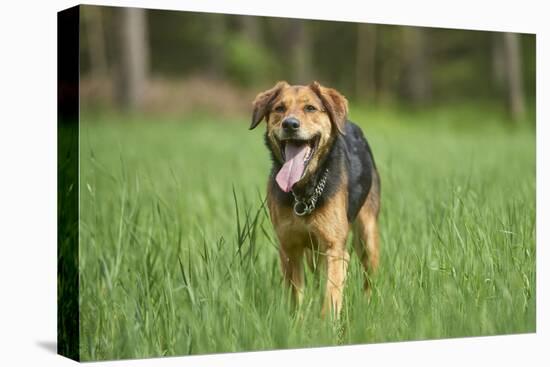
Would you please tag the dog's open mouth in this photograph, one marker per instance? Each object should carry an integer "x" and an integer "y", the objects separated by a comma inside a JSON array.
[{"x": 297, "y": 154}]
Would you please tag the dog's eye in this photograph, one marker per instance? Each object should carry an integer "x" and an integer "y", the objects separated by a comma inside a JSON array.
[
  {"x": 280, "y": 108},
  {"x": 310, "y": 108}
]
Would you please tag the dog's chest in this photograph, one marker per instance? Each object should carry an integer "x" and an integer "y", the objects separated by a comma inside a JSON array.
[
  {"x": 290, "y": 227},
  {"x": 296, "y": 225},
  {"x": 326, "y": 224}
]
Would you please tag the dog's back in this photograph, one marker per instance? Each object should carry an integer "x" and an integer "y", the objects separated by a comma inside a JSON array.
[{"x": 361, "y": 169}]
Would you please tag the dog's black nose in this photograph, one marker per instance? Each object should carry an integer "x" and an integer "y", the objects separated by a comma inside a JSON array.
[{"x": 291, "y": 124}]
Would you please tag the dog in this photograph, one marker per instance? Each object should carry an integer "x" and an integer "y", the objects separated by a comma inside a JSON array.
[{"x": 323, "y": 183}]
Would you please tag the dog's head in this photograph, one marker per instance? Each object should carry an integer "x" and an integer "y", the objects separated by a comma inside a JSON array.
[{"x": 302, "y": 123}]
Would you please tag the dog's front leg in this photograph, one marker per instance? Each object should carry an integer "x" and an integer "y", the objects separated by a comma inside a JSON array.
[
  {"x": 293, "y": 272},
  {"x": 337, "y": 259}
]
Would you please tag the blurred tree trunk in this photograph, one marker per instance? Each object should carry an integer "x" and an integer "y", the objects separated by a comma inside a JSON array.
[
  {"x": 498, "y": 62},
  {"x": 365, "y": 70},
  {"x": 96, "y": 41},
  {"x": 298, "y": 40},
  {"x": 217, "y": 30},
  {"x": 134, "y": 57},
  {"x": 387, "y": 75},
  {"x": 250, "y": 28},
  {"x": 512, "y": 52},
  {"x": 416, "y": 70}
]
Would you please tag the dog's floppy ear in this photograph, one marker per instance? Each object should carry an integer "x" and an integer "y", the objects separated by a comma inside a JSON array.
[
  {"x": 335, "y": 103},
  {"x": 262, "y": 103}
]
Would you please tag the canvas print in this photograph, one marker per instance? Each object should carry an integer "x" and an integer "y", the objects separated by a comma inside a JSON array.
[{"x": 231, "y": 183}]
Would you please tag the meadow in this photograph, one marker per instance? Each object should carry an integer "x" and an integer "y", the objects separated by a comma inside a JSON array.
[{"x": 178, "y": 256}]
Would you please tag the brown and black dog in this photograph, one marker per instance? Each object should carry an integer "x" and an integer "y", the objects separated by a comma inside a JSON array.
[{"x": 323, "y": 182}]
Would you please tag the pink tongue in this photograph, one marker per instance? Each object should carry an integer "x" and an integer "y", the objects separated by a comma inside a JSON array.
[{"x": 292, "y": 170}]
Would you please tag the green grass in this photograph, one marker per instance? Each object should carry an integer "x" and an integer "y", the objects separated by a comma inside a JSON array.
[{"x": 177, "y": 255}]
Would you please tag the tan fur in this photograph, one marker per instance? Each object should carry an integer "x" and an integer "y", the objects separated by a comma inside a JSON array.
[
  {"x": 324, "y": 233},
  {"x": 320, "y": 236},
  {"x": 326, "y": 121},
  {"x": 336, "y": 104},
  {"x": 295, "y": 98},
  {"x": 365, "y": 232}
]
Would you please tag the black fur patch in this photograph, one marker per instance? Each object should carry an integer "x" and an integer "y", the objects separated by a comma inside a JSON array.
[{"x": 349, "y": 155}]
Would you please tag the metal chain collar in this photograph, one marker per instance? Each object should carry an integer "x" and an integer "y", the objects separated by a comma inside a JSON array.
[{"x": 306, "y": 206}]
